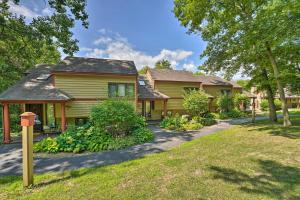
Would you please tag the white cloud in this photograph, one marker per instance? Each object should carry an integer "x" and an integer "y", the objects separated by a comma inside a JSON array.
[
  {"x": 22, "y": 10},
  {"x": 190, "y": 66},
  {"x": 47, "y": 11},
  {"x": 102, "y": 40},
  {"x": 117, "y": 47}
]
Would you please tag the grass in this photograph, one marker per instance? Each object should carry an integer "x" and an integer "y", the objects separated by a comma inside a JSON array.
[
  {"x": 292, "y": 111},
  {"x": 259, "y": 161}
]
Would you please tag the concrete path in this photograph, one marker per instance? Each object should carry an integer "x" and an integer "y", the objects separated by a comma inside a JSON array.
[{"x": 11, "y": 155}]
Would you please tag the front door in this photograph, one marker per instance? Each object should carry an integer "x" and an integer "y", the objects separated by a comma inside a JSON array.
[{"x": 38, "y": 110}]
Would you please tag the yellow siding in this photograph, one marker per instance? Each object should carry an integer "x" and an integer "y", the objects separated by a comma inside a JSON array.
[
  {"x": 215, "y": 90},
  {"x": 82, "y": 86},
  {"x": 76, "y": 108},
  {"x": 174, "y": 89},
  {"x": 175, "y": 104}
]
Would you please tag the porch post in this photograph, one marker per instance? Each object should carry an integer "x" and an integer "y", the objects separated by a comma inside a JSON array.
[
  {"x": 6, "y": 136},
  {"x": 63, "y": 117},
  {"x": 165, "y": 108}
]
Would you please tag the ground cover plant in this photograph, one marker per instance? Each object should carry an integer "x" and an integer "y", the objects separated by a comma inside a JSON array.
[
  {"x": 252, "y": 161},
  {"x": 186, "y": 122},
  {"x": 113, "y": 125}
]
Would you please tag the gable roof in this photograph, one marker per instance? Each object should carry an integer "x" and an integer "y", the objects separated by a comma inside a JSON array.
[
  {"x": 36, "y": 86},
  {"x": 147, "y": 92},
  {"x": 214, "y": 80},
  {"x": 172, "y": 75},
  {"x": 96, "y": 65}
]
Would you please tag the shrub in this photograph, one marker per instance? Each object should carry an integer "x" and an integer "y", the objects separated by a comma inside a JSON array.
[
  {"x": 116, "y": 117},
  {"x": 240, "y": 99},
  {"x": 192, "y": 126},
  {"x": 91, "y": 139},
  {"x": 264, "y": 104},
  {"x": 195, "y": 102},
  {"x": 278, "y": 104},
  {"x": 172, "y": 123},
  {"x": 142, "y": 135},
  {"x": 113, "y": 125},
  {"x": 225, "y": 103},
  {"x": 48, "y": 145},
  {"x": 205, "y": 121}
]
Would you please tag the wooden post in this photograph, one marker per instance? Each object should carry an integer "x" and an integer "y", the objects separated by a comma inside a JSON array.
[
  {"x": 6, "y": 125},
  {"x": 165, "y": 108},
  {"x": 27, "y": 122},
  {"x": 63, "y": 117},
  {"x": 253, "y": 110}
]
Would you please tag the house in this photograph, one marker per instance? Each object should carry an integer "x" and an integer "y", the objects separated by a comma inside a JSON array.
[
  {"x": 63, "y": 94},
  {"x": 171, "y": 86},
  {"x": 293, "y": 100}
]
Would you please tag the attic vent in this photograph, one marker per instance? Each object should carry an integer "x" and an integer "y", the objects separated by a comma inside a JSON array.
[
  {"x": 142, "y": 82},
  {"x": 43, "y": 77}
]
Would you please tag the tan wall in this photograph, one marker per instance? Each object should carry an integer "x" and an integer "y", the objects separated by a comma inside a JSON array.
[
  {"x": 86, "y": 89},
  {"x": 215, "y": 91},
  {"x": 82, "y": 86},
  {"x": 173, "y": 89}
]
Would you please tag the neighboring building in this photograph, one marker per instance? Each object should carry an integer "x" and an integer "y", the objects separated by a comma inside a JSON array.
[
  {"x": 293, "y": 100},
  {"x": 63, "y": 94}
]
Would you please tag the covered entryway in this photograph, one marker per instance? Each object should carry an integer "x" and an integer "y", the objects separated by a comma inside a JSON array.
[
  {"x": 152, "y": 104},
  {"x": 34, "y": 93}
]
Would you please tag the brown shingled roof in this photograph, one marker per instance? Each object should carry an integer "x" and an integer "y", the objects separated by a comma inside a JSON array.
[
  {"x": 172, "y": 75},
  {"x": 213, "y": 80},
  {"x": 147, "y": 92},
  {"x": 36, "y": 86},
  {"x": 96, "y": 65}
]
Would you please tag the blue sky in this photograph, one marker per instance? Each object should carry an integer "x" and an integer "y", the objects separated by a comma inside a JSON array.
[{"x": 141, "y": 30}]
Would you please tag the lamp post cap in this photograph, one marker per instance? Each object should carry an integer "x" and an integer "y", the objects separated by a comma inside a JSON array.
[{"x": 27, "y": 114}]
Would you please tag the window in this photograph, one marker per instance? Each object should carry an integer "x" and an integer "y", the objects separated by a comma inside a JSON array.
[
  {"x": 81, "y": 121},
  {"x": 43, "y": 77},
  {"x": 141, "y": 82},
  {"x": 225, "y": 92},
  {"x": 120, "y": 89},
  {"x": 189, "y": 89}
]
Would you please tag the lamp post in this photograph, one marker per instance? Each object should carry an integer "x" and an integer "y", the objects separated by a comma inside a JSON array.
[{"x": 27, "y": 122}]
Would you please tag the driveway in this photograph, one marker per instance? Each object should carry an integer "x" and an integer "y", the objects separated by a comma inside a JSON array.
[{"x": 11, "y": 155}]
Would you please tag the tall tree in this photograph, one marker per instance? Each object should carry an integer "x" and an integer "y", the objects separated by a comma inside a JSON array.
[
  {"x": 144, "y": 70},
  {"x": 27, "y": 42},
  {"x": 163, "y": 64},
  {"x": 238, "y": 32}
]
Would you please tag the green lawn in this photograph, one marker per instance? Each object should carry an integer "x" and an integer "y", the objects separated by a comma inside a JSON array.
[
  {"x": 244, "y": 162},
  {"x": 292, "y": 111}
]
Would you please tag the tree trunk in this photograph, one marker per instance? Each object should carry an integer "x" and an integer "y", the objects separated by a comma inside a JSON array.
[
  {"x": 286, "y": 117},
  {"x": 268, "y": 88}
]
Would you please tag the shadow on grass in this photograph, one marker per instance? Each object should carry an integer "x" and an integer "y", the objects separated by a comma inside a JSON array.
[
  {"x": 272, "y": 179},
  {"x": 277, "y": 129}
]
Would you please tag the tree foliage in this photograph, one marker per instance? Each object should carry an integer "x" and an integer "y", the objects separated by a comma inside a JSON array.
[
  {"x": 195, "y": 102},
  {"x": 246, "y": 35},
  {"x": 144, "y": 70},
  {"x": 163, "y": 64},
  {"x": 27, "y": 42}
]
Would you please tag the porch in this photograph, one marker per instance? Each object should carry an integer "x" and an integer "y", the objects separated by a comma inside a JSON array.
[
  {"x": 36, "y": 93},
  {"x": 45, "y": 121}
]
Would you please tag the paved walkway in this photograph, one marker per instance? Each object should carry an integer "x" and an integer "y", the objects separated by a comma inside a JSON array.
[{"x": 11, "y": 155}]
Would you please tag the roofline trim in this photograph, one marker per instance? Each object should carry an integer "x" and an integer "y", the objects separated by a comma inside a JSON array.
[
  {"x": 90, "y": 73},
  {"x": 33, "y": 101}
]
